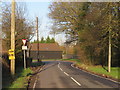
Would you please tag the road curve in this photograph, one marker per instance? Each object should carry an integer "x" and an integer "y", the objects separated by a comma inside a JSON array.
[{"x": 58, "y": 74}]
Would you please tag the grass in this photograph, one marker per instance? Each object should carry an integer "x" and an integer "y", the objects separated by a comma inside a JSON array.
[
  {"x": 77, "y": 60},
  {"x": 21, "y": 78},
  {"x": 73, "y": 60},
  {"x": 98, "y": 69}
]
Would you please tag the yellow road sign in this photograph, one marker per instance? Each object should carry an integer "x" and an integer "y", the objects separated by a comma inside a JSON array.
[
  {"x": 11, "y": 54},
  {"x": 11, "y": 57},
  {"x": 11, "y": 51}
]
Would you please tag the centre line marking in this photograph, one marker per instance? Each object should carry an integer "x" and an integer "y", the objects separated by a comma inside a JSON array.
[
  {"x": 66, "y": 74},
  {"x": 76, "y": 81},
  {"x": 58, "y": 65},
  {"x": 61, "y": 69}
]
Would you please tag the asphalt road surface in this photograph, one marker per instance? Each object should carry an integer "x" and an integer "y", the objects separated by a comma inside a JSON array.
[{"x": 58, "y": 74}]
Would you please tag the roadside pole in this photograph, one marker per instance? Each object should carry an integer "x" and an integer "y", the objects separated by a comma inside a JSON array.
[
  {"x": 110, "y": 43},
  {"x": 37, "y": 38},
  {"x": 24, "y": 48},
  {"x": 12, "y": 62},
  {"x": 24, "y": 60}
]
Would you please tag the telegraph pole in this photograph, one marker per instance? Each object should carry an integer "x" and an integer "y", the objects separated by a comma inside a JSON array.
[
  {"x": 37, "y": 38},
  {"x": 110, "y": 47},
  {"x": 13, "y": 36}
]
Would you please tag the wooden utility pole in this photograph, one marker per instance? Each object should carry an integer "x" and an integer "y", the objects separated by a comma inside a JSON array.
[
  {"x": 109, "y": 52},
  {"x": 37, "y": 38},
  {"x": 13, "y": 36},
  {"x": 109, "y": 55}
]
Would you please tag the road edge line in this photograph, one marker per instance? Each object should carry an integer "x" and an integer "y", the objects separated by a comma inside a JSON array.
[
  {"x": 95, "y": 74},
  {"x": 36, "y": 78},
  {"x": 35, "y": 83}
]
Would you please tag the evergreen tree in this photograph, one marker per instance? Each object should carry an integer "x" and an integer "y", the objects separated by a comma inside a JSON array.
[
  {"x": 48, "y": 40},
  {"x": 52, "y": 40},
  {"x": 42, "y": 40}
]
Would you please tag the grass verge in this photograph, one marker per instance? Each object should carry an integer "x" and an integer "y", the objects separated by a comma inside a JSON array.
[
  {"x": 21, "y": 78},
  {"x": 98, "y": 69},
  {"x": 103, "y": 71}
]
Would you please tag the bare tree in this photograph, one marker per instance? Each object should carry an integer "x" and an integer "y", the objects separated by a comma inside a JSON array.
[{"x": 24, "y": 28}]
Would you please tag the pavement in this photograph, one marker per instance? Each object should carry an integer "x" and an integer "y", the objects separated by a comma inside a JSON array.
[{"x": 59, "y": 74}]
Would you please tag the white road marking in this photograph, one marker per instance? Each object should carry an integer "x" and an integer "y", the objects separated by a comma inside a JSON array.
[
  {"x": 61, "y": 69},
  {"x": 69, "y": 75},
  {"x": 76, "y": 81},
  {"x": 58, "y": 65},
  {"x": 66, "y": 74},
  {"x": 71, "y": 65},
  {"x": 101, "y": 77},
  {"x": 35, "y": 83},
  {"x": 77, "y": 67},
  {"x": 97, "y": 75}
]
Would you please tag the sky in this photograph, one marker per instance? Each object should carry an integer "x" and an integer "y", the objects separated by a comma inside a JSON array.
[{"x": 41, "y": 10}]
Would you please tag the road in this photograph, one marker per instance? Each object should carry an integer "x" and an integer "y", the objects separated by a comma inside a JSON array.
[{"x": 58, "y": 74}]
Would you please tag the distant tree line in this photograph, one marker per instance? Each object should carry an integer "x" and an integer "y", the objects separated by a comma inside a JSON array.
[
  {"x": 90, "y": 25},
  {"x": 47, "y": 40}
]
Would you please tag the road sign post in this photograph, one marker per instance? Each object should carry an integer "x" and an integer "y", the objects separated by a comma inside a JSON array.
[
  {"x": 24, "y": 60},
  {"x": 12, "y": 62},
  {"x": 24, "y": 48}
]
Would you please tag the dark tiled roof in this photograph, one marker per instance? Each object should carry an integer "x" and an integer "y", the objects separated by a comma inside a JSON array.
[{"x": 45, "y": 47}]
